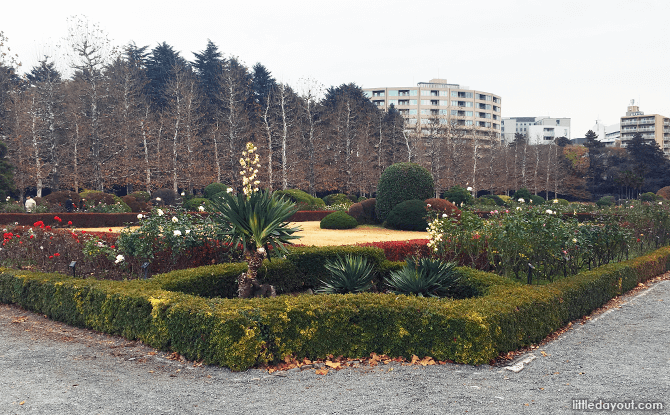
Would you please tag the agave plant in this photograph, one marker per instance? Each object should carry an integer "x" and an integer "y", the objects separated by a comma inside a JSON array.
[
  {"x": 256, "y": 221},
  {"x": 351, "y": 274},
  {"x": 424, "y": 277}
]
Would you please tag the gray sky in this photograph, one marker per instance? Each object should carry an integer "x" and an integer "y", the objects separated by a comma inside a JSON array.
[{"x": 580, "y": 59}]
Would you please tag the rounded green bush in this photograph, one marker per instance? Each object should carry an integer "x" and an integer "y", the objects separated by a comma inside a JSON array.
[
  {"x": 485, "y": 201},
  {"x": 606, "y": 201},
  {"x": 338, "y": 220},
  {"x": 649, "y": 197},
  {"x": 522, "y": 193},
  {"x": 401, "y": 182},
  {"x": 302, "y": 199},
  {"x": 496, "y": 199},
  {"x": 337, "y": 199},
  {"x": 561, "y": 202},
  {"x": 458, "y": 196},
  {"x": 409, "y": 215},
  {"x": 194, "y": 204},
  {"x": 537, "y": 200},
  {"x": 214, "y": 188}
]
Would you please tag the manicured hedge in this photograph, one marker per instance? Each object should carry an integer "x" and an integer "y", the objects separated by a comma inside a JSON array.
[
  {"x": 81, "y": 220},
  {"x": 241, "y": 333}
]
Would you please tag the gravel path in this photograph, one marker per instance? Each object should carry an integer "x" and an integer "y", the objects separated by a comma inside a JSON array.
[{"x": 619, "y": 355}]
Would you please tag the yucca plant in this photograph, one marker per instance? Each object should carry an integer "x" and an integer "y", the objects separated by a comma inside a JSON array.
[
  {"x": 257, "y": 221},
  {"x": 351, "y": 274},
  {"x": 424, "y": 277}
]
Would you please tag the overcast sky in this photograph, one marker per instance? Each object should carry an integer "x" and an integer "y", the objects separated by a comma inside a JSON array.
[{"x": 579, "y": 59}]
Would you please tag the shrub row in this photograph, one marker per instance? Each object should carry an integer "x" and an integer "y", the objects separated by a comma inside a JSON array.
[
  {"x": 399, "y": 250},
  {"x": 95, "y": 220},
  {"x": 241, "y": 333}
]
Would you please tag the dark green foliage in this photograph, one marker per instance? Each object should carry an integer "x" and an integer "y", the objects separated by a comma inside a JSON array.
[
  {"x": 214, "y": 188},
  {"x": 401, "y": 182},
  {"x": 338, "y": 220},
  {"x": 409, "y": 215},
  {"x": 302, "y": 199},
  {"x": 649, "y": 197},
  {"x": 606, "y": 201},
  {"x": 562, "y": 202},
  {"x": 263, "y": 83},
  {"x": 161, "y": 65},
  {"x": 536, "y": 199},
  {"x": 60, "y": 198},
  {"x": 362, "y": 198},
  {"x": 353, "y": 198},
  {"x": 194, "y": 204},
  {"x": 458, "y": 196},
  {"x": 95, "y": 198},
  {"x": 337, "y": 199},
  {"x": 134, "y": 204},
  {"x": 141, "y": 196},
  {"x": 485, "y": 202},
  {"x": 496, "y": 199},
  {"x": 351, "y": 274},
  {"x": 168, "y": 197},
  {"x": 424, "y": 277},
  {"x": 522, "y": 193}
]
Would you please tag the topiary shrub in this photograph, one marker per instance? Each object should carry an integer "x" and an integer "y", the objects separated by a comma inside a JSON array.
[
  {"x": 439, "y": 207},
  {"x": 57, "y": 200},
  {"x": 338, "y": 220},
  {"x": 648, "y": 197},
  {"x": 536, "y": 199},
  {"x": 141, "y": 196},
  {"x": 496, "y": 199},
  {"x": 364, "y": 212},
  {"x": 194, "y": 204},
  {"x": 302, "y": 199},
  {"x": 561, "y": 202},
  {"x": 337, "y": 199},
  {"x": 506, "y": 199},
  {"x": 214, "y": 188},
  {"x": 134, "y": 204},
  {"x": 409, "y": 215},
  {"x": 166, "y": 197},
  {"x": 458, "y": 196},
  {"x": 522, "y": 193},
  {"x": 362, "y": 198},
  {"x": 353, "y": 198},
  {"x": 401, "y": 182},
  {"x": 664, "y": 192},
  {"x": 485, "y": 202},
  {"x": 606, "y": 201}
]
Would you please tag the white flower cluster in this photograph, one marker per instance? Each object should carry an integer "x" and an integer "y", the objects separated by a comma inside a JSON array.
[
  {"x": 434, "y": 233},
  {"x": 119, "y": 258},
  {"x": 249, "y": 171}
]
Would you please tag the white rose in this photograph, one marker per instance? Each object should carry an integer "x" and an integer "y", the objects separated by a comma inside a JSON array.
[
  {"x": 229, "y": 190},
  {"x": 201, "y": 208},
  {"x": 177, "y": 232},
  {"x": 140, "y": 216},
  {"x": 518, "y": 208},
  {"x": 469, "y": 189},
  {"x": 158, "y": 199},
  {"x": 521, "y": 200},
  {"x": 160, "y": 212},
  {"x": 574, "y": 240},
  {"x": 188, "y": 231},
  {"x": 119, "y": 258},
  {"x": 444, "y": 215},
  {"x": 261, "y": 250},
  {"x": 174, "y": 219},
  {"x": 548, "y": 211},
  {"x": 183, "y": 194},
  {"x": 555, "y": 200}
]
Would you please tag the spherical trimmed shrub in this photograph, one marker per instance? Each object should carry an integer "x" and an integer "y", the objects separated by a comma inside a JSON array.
[
  {"x": 338, "y": 220},
  {"x": 485, "y": 202},
  {"x": 648, "y": 197},
  {"x": 606, "y": 201},
  {"x": 536, "y": 199},
  {"x": 141, "y": 196},
  {"x": 458, "y": 196},
  {"x": 193, "y": 205},
  {"x": 401, "y": 182},
  {"x": 496, "y": 199},
  {"x": 522, "y": 193},
  {"x": 214, "y": 188},
  {"x": 168, "y": 197},
  {"x": 302, "y": 199},
  {"x": 441, "y": 207},
  {"x": 664, "y": 192},
  {"x": 409, "y": 215}
]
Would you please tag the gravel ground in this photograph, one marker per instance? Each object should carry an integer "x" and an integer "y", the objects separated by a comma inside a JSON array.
[{"x": 616, "y": 355}]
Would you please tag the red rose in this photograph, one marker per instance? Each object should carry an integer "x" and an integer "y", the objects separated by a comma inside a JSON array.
[{"x": 69, "y": 222}]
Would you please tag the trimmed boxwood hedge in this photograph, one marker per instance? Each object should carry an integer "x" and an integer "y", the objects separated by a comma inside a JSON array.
[{"x": 241, "y": 333}]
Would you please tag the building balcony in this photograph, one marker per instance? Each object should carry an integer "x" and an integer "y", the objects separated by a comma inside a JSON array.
[
  {"x": 646, "y": 129},
  {"x": 629, "y": 122}
]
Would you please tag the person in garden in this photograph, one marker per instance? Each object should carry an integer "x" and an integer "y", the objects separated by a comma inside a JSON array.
[{"x": 30, "y": 204}]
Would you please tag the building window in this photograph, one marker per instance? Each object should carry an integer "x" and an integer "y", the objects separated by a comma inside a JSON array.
[
  {"x": 393, "y": 93},
  {"x": 464, "y": 94},
  {"x": 468, "y": 122},
  {"x": 367, "y": 94},
  {"x": 496, "y": 108},
  {"x": 454, "y": 103},
  {"x": 434, "y": 93},
  {"x": 444, "y": 93},
  {"x": 412, "y": 120},
  {"x": 425, "y": 102},
  {"x": 412, "y": 112},
  {"x": 403, "y": 93},
  {"x": 412, "y": 92},
  {"x": 379, "y": 103},
  {"x": 393, "y": 102},
  {"x": 425, "y": 112},
  {"x": 468, "y": 113},
  {"x": 444, "y": 103},
  {"x": 434, "y": 102},
  {"x": 403, "y": 102},
  {"x": 454, "y": 112},
  {"x": 443, "y": 112},
  {"x": 425, "y": 92},
  {"x": 412, "y": 102},
  {"x": 468, "y": 103},
  {"x": 377, "y": 93}
]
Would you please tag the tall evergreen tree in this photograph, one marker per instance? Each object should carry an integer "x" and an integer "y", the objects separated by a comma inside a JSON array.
[
  {"x": 648, "y": 162},
  {"x": 262, "y": 83},
  {"x": 208, "y": 66},
  {"x": 160, "y": 71}
]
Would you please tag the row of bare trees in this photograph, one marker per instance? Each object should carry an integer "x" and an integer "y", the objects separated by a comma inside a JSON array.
[{"x": 147, "y": 119}]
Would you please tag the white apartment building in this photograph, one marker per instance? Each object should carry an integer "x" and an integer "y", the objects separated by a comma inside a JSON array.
[
  {"x": 607, "y": 134},
  {"x": 537, "y": 130},
  {"x": 477, "y": 111}
]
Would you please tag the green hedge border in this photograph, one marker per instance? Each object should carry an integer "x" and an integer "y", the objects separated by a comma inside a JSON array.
[{"x": 239, "y": 334}]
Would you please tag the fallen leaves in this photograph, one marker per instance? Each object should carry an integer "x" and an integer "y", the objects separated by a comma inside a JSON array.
[{"x": 323, "y": 366}]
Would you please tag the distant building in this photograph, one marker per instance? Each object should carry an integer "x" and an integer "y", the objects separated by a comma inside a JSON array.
[
  {"x": 653, "y": 127},
  {"x": 476, "y": 110},
  {"x": 538, "y": 130},
  {"x": 607, "y": 134}
]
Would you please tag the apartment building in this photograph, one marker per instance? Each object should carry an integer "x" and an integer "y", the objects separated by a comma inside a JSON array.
[
  {"x": 537, "y": 130},
  {"x": 477, "y": 111},
  {"x": 651, "y": 127}
]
